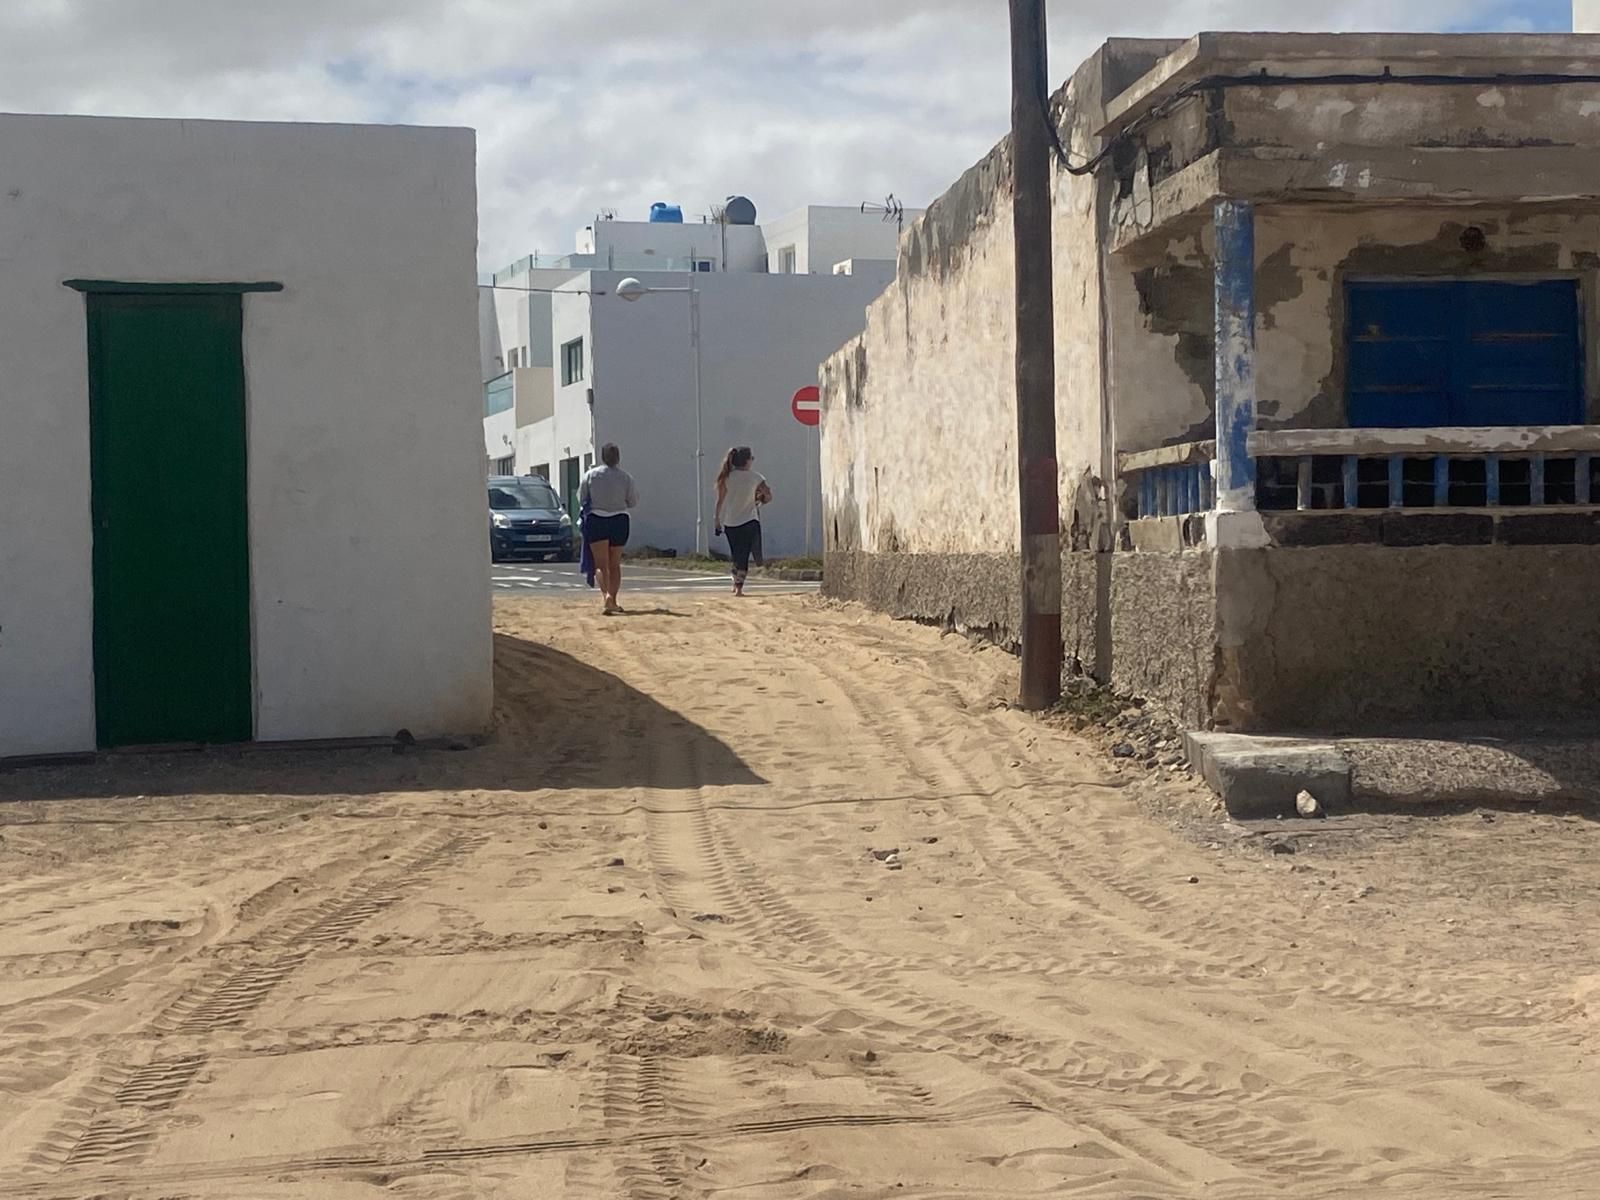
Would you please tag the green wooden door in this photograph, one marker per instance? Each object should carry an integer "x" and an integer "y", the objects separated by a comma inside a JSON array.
[{"x": 171, "y": 550}]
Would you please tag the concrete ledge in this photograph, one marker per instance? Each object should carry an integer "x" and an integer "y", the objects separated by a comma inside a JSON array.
[{"x": 1259, "y": 777}]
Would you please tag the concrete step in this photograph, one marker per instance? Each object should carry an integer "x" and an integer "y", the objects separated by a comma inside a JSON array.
[{"x": 1259, "y": 777}]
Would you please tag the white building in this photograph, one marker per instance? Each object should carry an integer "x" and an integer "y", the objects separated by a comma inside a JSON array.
[
  {"x": 1586, "y": 16},
  {"x": 816, "y": 239},
  {"x": 221, "y": 465},
  {"x": 569, "y": 365}
]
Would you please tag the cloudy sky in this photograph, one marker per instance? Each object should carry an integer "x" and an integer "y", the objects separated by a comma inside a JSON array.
[{"x": 583, "y": 105}]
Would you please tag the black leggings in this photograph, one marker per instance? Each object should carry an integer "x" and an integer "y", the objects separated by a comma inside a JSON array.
[{"x": 742, "y": 541}]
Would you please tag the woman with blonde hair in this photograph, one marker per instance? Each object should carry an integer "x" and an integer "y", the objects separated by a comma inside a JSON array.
[{"x": 740, "y": 494}]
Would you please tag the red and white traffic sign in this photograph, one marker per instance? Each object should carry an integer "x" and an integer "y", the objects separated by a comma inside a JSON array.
[{"x": 807, "y": 406}]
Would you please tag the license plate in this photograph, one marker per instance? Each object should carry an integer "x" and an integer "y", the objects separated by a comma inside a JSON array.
[{"x": 537, "y": 537}]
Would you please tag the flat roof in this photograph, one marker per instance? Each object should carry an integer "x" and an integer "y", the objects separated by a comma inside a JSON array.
[{"x": 1310, "y": 54}]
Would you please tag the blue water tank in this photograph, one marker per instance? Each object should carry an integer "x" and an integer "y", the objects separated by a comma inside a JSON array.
[{"x": 665, "y": 214}]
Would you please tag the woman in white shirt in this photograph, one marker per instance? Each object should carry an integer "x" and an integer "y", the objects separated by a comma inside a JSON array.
[
  {"x": 740, "y": 494},
  {"x": 606, "y": 496}
]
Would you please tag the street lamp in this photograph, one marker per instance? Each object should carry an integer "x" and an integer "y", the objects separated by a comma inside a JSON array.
[{"x": 631, "y": 290}]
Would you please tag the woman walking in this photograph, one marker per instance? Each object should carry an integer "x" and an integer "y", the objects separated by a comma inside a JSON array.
[
  {"x": 740, "y": 494},
  {"x": 609, "y": 493}
]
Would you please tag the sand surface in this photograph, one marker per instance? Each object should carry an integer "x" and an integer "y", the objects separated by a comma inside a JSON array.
[{"x": 651, "y": 944}]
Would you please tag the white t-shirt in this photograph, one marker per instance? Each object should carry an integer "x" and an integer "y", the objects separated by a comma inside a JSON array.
[{"x": 739, "y": 507}]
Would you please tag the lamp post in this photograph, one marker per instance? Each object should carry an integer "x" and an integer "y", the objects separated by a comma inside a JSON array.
[{"x": 631, "y": 290}]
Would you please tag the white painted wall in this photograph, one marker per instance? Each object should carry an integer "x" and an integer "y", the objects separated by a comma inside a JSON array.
[
  {"x": 569, "y": 434},
  {"x": 763, "y": 338},
  {"x": 520, "y": 320},
  {"x": 1586, "y": 16},
  {"x": 499, "y": 436},
  {"x": 824, "y": 235},
  {"x": 630, "y": 245},
  {"x": 364, "y": 419}
]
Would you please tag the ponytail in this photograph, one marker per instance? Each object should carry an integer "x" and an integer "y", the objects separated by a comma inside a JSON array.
[{"x": 736, "y": 459}]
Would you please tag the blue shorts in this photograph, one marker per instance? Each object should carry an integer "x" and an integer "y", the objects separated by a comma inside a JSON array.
[{"x": 606, "y": 529}]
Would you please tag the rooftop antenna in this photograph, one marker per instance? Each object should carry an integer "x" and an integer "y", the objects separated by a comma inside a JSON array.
[{"x": 890, "y": 209}]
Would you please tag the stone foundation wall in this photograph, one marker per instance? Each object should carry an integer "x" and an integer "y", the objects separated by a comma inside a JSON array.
[
  {"x": 1163, "y": 617},
  {"x": 1368, "y": 637},
  {"x": 1145, "y": 621},
  {"x": 1332, "y": 638}
]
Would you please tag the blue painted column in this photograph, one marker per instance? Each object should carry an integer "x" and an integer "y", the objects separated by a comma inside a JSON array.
[{"x": 1235, "y": 260}]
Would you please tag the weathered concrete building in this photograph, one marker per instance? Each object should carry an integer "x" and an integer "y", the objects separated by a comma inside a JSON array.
[{"x": 1399, "y": 238}]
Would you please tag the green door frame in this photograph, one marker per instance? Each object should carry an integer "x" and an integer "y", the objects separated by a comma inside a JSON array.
[{"x": 169, "y": 487}]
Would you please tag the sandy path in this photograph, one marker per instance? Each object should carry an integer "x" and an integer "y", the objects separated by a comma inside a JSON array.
[{"x": 641, "y": 947}]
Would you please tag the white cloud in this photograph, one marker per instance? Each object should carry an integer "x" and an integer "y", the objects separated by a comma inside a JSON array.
[{"x": 588, "y": 104}]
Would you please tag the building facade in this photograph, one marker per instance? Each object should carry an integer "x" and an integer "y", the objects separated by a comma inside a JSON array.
[
  {"x": 1328, "y": 404},
  {"x": 219, "y": 470},
  {"x": 817, "y": 238},
  {"x": 569, "y": 365}
]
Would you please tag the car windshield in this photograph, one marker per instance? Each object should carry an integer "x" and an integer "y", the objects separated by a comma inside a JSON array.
[{"x": 503, "y": 496}]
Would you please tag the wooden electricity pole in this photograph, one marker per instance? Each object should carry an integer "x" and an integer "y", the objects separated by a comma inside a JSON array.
[{"x": 1037, "y": 488}]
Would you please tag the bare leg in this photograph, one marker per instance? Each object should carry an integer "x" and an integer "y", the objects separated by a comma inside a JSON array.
[
  {"x": 614, "y": 573},
  {"x": 601, "y": 551}
]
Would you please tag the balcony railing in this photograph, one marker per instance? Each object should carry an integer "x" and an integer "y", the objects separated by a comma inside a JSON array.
[
  {"x": 1171, "y": 481},
  {"x": 1509, "y": 466},
  {"x": 1309, "y": 470}
]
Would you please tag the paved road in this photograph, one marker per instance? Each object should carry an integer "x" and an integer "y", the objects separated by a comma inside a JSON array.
[{"x": 556, "y": 578}]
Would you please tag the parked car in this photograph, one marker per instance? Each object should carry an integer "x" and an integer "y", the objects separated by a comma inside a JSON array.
[{"x": 526, "y": 520}]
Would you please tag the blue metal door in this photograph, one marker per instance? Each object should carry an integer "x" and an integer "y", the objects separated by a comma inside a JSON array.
[{"x": 1461, "y": 352}]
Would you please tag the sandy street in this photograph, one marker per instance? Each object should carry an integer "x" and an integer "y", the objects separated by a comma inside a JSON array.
[{"x": 652, "y": 943}]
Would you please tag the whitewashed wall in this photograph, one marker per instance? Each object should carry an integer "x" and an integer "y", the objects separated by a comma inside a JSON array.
[
  {"x": 763, "y": 338},
  {"x": 368, "y": 549}
]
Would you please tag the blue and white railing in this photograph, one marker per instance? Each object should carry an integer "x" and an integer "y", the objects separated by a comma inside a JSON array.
[
  {"x": 1492, "y": 467},
  {"x": 1171, "y": 481}
]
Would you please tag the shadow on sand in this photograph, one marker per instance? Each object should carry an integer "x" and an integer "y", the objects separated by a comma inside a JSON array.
[{"x": 559, "y": 724}]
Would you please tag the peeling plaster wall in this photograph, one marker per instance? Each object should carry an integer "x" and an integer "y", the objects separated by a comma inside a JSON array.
[
  {"x": 1300, "y": 323},
  {"x": 919, "y": 421},
  {"x": 1320, "y": 118},
  {"x": 1161, "y": 305},
  {"x": 918, "y": 436}
]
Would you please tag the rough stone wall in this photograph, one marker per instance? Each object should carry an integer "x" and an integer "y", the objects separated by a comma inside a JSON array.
[
  {"x": 1164, "y": 630},
  {"x": 919, "y": 439},
  {"x": 1146, "y": 621},
  {"x": 1360, "y": 637},
  {"x": 919, "y": 421}
]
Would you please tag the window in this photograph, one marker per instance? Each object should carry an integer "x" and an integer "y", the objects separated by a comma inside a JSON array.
[
  {"x": 498, "y": 395},
  {"x": 515, "y": 359},
  {"x": 520, "y": 496},
  {"x": 503, "y": 466},
  {"x": 588, "y": 462},
  {"x": 572, "y": 362},
  {"x": 1464, "y": 352},
  {"x": 542, "y": 471},
  {"x": 703, "y": 265},
  {"x": 787, "y": 259}
]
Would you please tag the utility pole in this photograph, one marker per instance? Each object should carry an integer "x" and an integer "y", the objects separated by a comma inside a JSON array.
[{"x": 1037, "y": 487}]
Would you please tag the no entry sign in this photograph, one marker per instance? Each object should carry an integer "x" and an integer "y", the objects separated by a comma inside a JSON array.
[{"x": 807, "y": 406}]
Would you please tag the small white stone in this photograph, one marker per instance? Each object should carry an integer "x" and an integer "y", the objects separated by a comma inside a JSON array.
[{"x": 1307, "y": 806}]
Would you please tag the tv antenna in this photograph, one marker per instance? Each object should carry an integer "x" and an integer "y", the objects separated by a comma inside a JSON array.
[{"x": 890, "y": 209}]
